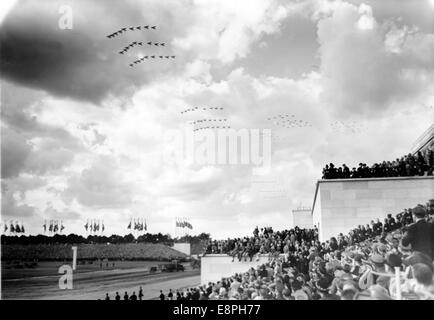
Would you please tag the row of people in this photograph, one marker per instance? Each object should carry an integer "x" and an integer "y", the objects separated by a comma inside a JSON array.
[
  {"x": 410, "y": 165},
  {"x": 126, "y": 296}
]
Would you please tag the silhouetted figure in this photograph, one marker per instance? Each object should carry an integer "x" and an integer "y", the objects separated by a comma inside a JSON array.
[{"x": 162, "y": 296}]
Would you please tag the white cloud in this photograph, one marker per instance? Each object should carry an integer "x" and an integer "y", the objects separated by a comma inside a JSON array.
[
  {"x": 364, "y": 71},
  {"x": 225, "y": 30},
  {"x": 5, "y": 7}
]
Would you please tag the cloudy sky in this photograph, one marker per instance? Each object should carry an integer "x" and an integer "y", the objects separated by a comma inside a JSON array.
[{"x": 84, "y": 136}]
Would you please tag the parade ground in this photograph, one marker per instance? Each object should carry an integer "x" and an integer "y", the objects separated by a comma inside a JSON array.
[{"x": 91, "y": 283}]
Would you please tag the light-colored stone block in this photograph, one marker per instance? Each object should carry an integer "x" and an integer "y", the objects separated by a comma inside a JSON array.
[
  {"x": 355, "y": 185},
  {"x": 343, "y": 195},
  {"x": 393, "y": 193},
  {"x": 326, "y": 195},
  {"x": 346, "y": 204},
  {"x": 214, "y": 267},
  {"x": 369, "y": 194},
  {"x": 335, "y": 186}
]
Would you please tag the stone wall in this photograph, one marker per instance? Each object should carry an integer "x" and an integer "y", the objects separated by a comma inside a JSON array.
[
  {"x": 183, "y": 247},
  {"x": 342, "y": 204},
  {"x": 214, "y": 267}
]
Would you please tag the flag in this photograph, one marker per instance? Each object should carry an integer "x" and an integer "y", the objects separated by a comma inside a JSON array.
[
  {"x": 45, "y": 226},
  {"x": 86, "y": 226},
  {"x": 17, "y": 227},
  {"x": 103, "y": 226},
  {"x": 94, "y": 225},
  {"x": 12, "y": 228},
  {"x": 129, "y": 226},
  {"x": 6, "y": 227},
  {"x": 22, "y": 228},
  {"x": 50, "y": 228},
  {"x": 61, "y": 226},
  {"x": 146, "y": 227},
  {"x": 56, "y": 226}
]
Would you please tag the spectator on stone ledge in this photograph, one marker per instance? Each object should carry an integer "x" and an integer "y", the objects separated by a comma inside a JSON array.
[{"x": 410, "y": 165}]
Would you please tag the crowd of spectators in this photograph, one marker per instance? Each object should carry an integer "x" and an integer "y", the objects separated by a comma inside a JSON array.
[
  {"x": 90, "y": 252},
  {"x": 264, "y": 241},
  {"x": 410, "y": 165},
  {"x": 357, "y": 266}
]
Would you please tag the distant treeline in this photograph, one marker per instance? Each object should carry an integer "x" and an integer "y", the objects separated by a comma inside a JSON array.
[{"x": 160, "y": 238}]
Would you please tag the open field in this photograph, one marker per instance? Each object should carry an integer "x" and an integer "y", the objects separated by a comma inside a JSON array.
[
  {"x": 91, "y": 283},
  {"x": 51, "y": 268}
]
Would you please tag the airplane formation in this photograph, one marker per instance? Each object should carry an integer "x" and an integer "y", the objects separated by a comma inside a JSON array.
[
  {"x": 136, "y": 43},
  {"x": 127, "y": 29},
  {"x": 205, "y": 124},
  {"x": 202, "y": 108},
  {"x": 285, "y": 121},
  {"x": 150, "y": 57},
  {"x": 208, "y": 120},
  {"x": 288, "y": 121},
  {"x": 149, "y": 44},
  {"x": 212, "y": 127},
  {"x": 341, "y": 126},
  {"x": 281, "y": 120}
]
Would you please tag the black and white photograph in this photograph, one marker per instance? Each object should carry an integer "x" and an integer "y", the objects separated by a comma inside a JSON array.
[{"x": 212, "y": 152}]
